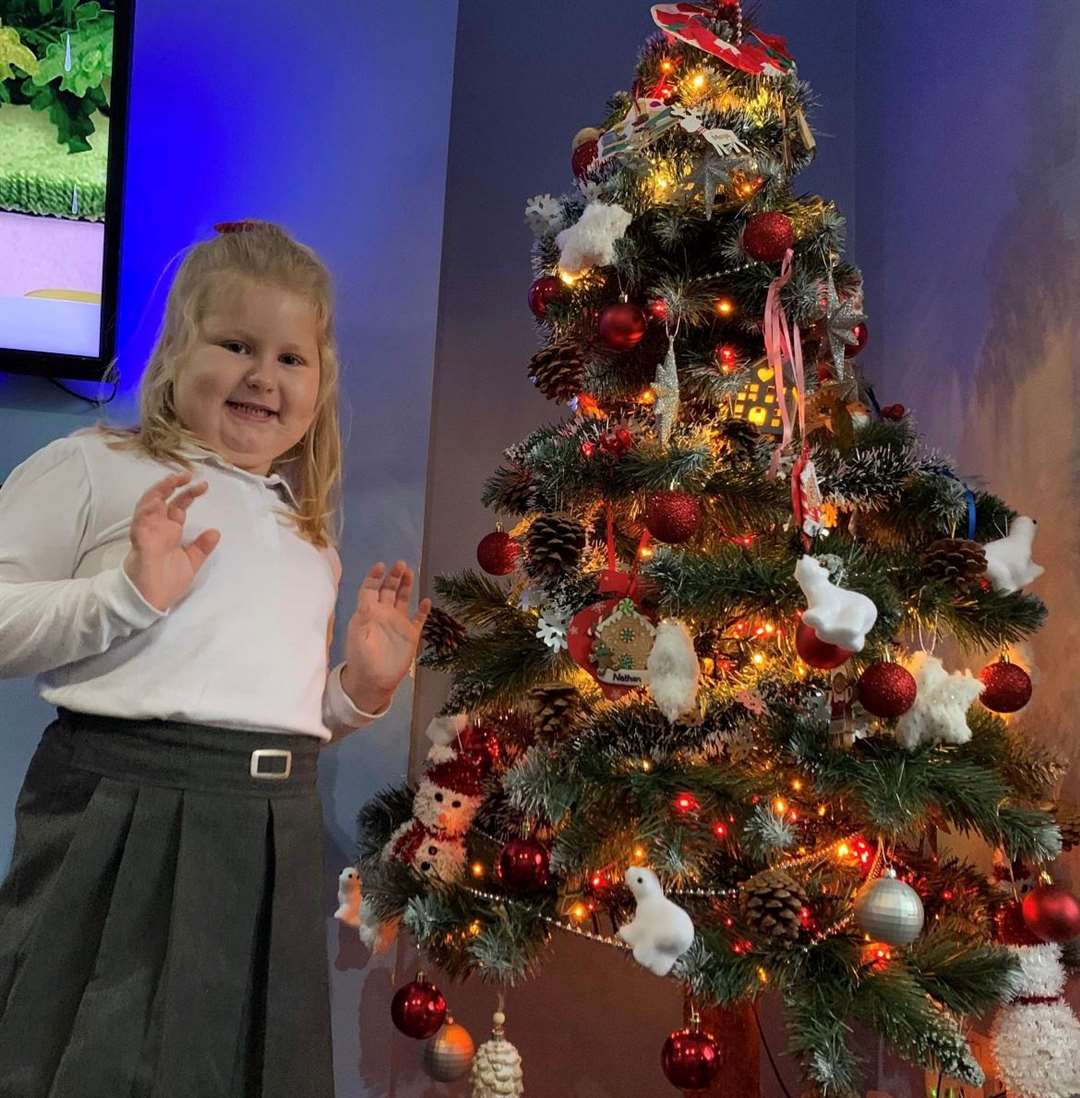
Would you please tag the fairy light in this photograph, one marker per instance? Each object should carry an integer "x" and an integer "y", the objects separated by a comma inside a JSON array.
[
  {"x": 822, "y": 809},
  {"x": 645, "y": 552},
  {"x": 639, "y": 853},
  {"x": 646, "y": 765},
  {"x": 758, "y": 659},
  {"x": 478, "y": 869},
  {"x": 567, "y": 278},
  {"x": 780, "y": 806},
  {"x": 762, "y": 975},
  {"x": 843, "y": 850},
  {"x": 796, "y": 784},
  {"x": 724, "y": 306},
  {"x": 648, "y": 396},
  {"x": 686, "y": 802},
  {"x": 475, "y": 927},
  {"x": 579, "y": 911},
  {"x": 698, "y": 81},
  {"x": 720, "y": 829}
]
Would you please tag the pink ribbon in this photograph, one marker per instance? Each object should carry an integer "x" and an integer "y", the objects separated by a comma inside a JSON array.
[{"x": 779, "y": 346}]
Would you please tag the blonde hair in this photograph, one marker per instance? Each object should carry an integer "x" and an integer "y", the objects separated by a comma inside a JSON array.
[{"x": 264, "y": 253}]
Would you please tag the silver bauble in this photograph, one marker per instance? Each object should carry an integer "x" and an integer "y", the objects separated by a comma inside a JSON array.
[
  {"x": 449, "y": 1054},
  {"x": 889, "y": 911}
]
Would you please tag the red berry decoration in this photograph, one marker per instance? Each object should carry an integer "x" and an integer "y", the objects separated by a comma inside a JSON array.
[
  {"x": 690, "y": 1059},
  {"x": 583, "y": 150},
  {"x": 1007, "y": 687},
  {"x": 815, "y": 652},
  {"x": 542, "y": 292},
  {"x": 622, "y": 326},
  {"x": 672, "y": 517},
  {"x": 418, "y": 1009},
  {"x": 497, "y": 553},
  {"x": 523, "y": 865},
  {"x": 1052, "y": 913},
  {"x": 893, "y": 411},
  {"x": 616, "y": 442},
  {"x": 657, "y": 309},
  {"x": 768, "y": 236},
  {"x": 862, "y": 337},
  {"x": 887, "y": 689}
]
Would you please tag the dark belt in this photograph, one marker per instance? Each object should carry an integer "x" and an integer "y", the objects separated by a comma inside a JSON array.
[{"x": 188, "y": 755}]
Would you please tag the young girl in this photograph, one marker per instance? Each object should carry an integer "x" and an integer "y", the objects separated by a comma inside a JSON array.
[{"x": 161, "y": 929}]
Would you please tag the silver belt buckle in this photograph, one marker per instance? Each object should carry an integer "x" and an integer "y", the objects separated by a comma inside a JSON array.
[{"x": 271, "y": 753}]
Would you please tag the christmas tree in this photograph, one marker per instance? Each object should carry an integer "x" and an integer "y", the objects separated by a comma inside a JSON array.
[{"x": 710, "y": 701}]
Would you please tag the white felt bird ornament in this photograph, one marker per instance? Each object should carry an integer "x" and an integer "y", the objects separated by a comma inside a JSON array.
[
  {"x": 836, "y": 615},
  {"x": 1008, "y": 560},
  {"x": 660, "y": 931}
]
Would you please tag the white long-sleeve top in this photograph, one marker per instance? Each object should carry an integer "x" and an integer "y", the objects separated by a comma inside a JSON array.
[{"x": 246, "y": 647}]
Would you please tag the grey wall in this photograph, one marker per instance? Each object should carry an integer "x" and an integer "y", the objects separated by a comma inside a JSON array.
[{"x": 332, "y": 118}]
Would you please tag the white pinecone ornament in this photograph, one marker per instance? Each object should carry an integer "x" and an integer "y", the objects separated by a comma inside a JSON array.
[{"x": 496, "y": 1070}]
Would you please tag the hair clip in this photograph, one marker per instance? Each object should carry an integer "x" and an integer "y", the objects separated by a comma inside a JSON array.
[{"x": 234, "y": 226}]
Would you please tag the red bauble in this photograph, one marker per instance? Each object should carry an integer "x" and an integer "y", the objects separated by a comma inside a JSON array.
[
  {"x": 690, "y": 1059},
  {"x": 816, "y": 652},
  {"x": 657, "y": 309},
  {"x": 887, "y": 689},
  {"x": 523, "y": 865},
  {"x": 418, "y": 1009},
  {"x": 768, "y": 236},
  {"x": 480, "y": 746},
  {"x": 583, "y": 150},
  {"x": 1052, "y": 913},
  {"x": 622, "y": 325},
  {"x": 1007, "y": 689},
  {"x": 497, "y": 553},
  {"x": 673, "y": 516},
  {"x": 862, "y": 336},
  {"x": 893, "y": 411},
  {"x": 542, "y": 292},
  {"x": 1009, "y": 926}
]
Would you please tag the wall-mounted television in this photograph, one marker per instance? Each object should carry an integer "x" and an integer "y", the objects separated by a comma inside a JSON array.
[{"x": 64, "y": 77}]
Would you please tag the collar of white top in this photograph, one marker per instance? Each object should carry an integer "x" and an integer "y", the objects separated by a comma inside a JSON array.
[{"x": 202, "y": 453}]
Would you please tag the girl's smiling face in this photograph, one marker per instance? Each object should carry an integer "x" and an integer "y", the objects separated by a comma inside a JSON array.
[{"x": 257, "y": 345}]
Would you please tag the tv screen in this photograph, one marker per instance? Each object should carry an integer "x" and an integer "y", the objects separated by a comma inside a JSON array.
[{"x": 63, "y": 87}]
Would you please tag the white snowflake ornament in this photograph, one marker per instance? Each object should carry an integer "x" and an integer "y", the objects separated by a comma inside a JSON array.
[
  {"x": 544, "y": 215},
  {"x": 1008, "y": 560},
  {"x": 939, "y": 714},
  {"x": 552, "y": 626},
  {"x": 660, "y": 931},
  {"x": 836, "y": 615}
]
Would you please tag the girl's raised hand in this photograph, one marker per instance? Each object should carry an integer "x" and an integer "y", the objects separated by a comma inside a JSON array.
[
  {"x": 382, "y": 639},
  {"x": 159, "y": 564}
]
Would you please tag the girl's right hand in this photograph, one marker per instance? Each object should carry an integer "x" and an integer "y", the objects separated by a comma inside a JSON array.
[{"x": 159, "y": 564}]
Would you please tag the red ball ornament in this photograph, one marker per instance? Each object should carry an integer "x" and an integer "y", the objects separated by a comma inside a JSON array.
[
  {"x": 893, "y": 411},
  {"x": 672, "y": 517},
  {"x": 622, "y": 326},
  {"x": 862, "y": 337},
  {"x": 542, "y": 292},
  {"x": 887, "y": 689},
  {"x": 690, "y": 1059},
  {"x": 497, "y": 553},
  {"x": 583, "y": 150},
  {"x": 1007, "y": 687},
  {"x": 418, "y": 1009},
  {"x": 657, "y": 309},
  {"x": 1052, "y": 913},
  {"x": 815, "y": 652},
  {"x": 768, "y": 236},
  {"x": 523, "y": 865}
]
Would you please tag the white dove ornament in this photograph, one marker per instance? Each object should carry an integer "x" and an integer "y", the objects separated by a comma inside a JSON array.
[
  {"x": 836, "y": 615},
  {"x": 660, "y": 931},
  {"x": 1008, "y": 560},
  {"x": 348, "y": 895}
]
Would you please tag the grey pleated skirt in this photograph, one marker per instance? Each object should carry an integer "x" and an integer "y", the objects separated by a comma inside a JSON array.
[{"x": 161, "y": 927}]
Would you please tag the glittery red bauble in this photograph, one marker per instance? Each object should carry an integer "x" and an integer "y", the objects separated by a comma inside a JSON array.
[
  {"x": 816, "y": 652},
  {"x": 1010, "y": 928},
  {"x": 657, "y": 309},
  {"x": 1052, "y": 913},
  {"x": 1008, "y": 687},
  {"x": 497, "y": 553},
  {"x": 768, "y": 236},
  {"x": 672, "y": 517},
  {"x": 622, "y": 325},
  {"x": 862, "y": 337},
  {"x": 690, "y": 1059},
  {"x": 418, "y": 1009},
  {"x": 542, "y": 292},
  {"x": 887, "y": 689},
  {"x": 523, "y": 865}
]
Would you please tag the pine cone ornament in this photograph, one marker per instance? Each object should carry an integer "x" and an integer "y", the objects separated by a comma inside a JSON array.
[
  {"x": 496, "y": 1069},
  {"x": 553, "y": 545},
  {"x": 740, "y": 435},
  {"x": 442, "y": 633},
  {"x": 554, "y": 707},
  {"x": 557, "y": 370},
  {"x": 513, "y": 490},
  {"x": 773, "y": 905},
  {"x": 954, "y": 560}
]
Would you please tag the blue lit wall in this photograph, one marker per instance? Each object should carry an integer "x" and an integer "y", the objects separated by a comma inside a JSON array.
[{"x": 332, "y": 118}]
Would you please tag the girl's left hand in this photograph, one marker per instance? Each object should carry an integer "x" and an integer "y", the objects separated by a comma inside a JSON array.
[{"x": 381, "y": 640}]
